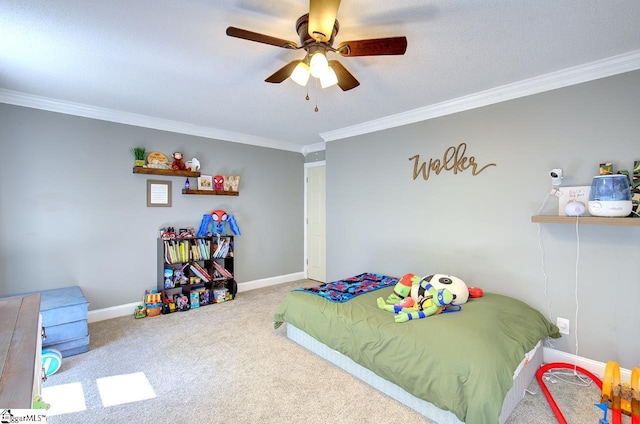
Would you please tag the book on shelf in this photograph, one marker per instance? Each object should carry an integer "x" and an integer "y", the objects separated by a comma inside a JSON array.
[
  {"x": 170, "y": 252},
  {"x": 200, "y": 271},
  {"x": 222, "y": 247},
  {"x": 222, "y": 271}
]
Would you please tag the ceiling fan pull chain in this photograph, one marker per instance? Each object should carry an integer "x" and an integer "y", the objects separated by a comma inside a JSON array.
[{"x": 316, "y": 108}]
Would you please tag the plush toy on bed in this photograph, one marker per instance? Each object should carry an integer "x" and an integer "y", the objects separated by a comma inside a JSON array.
[
  {"x": 415, "y": 298},
  {"x": 453, "y": 284}
]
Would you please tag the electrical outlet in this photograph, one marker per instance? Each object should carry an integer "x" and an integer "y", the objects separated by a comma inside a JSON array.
[{"x": 563, "y": 325}]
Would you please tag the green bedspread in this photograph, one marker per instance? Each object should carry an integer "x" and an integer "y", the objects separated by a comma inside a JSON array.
[{"x": 462, "y": 361}]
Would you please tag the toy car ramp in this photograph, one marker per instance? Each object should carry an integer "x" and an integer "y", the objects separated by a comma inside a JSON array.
[{"x": 552, "y": 403}]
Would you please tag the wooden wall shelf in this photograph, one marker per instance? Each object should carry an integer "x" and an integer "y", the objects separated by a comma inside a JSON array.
[
  {"x": 167, "y": 172},
  {"x": 210, "y": 192},
  {"x": 587, "y": 220}
]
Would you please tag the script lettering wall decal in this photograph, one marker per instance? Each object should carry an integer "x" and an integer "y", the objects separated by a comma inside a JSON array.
[{"x": 454, "y": 159}]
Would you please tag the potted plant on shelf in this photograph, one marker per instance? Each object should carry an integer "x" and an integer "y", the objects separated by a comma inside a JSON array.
[{"x": 138, "y": 154}]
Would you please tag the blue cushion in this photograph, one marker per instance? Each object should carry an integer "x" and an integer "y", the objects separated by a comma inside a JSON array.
[
  {"x": 64, "y": 332},
  {"x": 60, "y": 306},
  {"x": 72, "y": 347}
]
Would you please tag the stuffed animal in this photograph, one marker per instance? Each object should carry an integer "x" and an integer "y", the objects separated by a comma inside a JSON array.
[
  {"x": 415, "y": 298},
  {"x": 178, "y": 164},
  {"x": 193, "y": 165},
  {"x": 453, "y": 284}
]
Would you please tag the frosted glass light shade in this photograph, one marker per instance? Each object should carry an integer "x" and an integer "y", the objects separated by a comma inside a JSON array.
[
  {"x": 318, "y": 64},
  {"x": 329, "y": 78},
  {"x": 300, "y": 74}
]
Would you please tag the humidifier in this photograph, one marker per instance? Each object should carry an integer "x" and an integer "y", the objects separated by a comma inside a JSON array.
[{"x": 610, "y": 196}]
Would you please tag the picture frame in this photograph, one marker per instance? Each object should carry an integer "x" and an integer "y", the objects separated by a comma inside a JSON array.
[
  {"x": 158, "y": 193},
  {"x": 205, "y": 182}
]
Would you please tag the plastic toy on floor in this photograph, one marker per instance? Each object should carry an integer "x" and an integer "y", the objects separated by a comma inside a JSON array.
[
  {"x": 622, "y": 398},
  {"x": 51, "y": 361}
]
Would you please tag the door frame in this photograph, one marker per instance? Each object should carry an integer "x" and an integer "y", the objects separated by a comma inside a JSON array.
[{"x": 308, "y": 165}]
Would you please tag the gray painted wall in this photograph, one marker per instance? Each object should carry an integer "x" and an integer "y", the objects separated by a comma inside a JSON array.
[
  {"x": 73, "y": 213},
  {"x": 479, "y": 227}
]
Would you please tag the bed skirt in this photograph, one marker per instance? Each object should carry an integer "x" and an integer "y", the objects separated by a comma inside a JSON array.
[{"x": 522, "y": 378}]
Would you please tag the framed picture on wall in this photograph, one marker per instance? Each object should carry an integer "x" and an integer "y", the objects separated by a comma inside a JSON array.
[
  {"x": 205, "y": 182},
  {"x": 158, "y": 193}
]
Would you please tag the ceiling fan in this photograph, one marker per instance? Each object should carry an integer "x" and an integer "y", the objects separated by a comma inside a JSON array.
[{"x": 317, "y": 30}]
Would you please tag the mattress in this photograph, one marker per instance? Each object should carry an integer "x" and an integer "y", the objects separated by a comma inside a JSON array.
[
  {"x": 463, "y": 362},
  {"x": 522, "y": 377}
]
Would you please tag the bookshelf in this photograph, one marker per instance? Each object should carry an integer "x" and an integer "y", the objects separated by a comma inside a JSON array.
[{"x": 199, "y": 268}]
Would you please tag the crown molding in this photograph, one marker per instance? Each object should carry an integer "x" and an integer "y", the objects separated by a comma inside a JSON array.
[
  {"x": 588, "y": 72},
  {"x": 78, "y": 109},
  {"x": 311, "y": 148}
]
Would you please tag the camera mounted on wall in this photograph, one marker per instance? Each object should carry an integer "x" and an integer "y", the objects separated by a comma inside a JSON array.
[{"x": 556, "y": 177}]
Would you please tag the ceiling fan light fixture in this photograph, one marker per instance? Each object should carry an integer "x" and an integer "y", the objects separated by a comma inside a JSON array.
[
  {"x": 328, "y": 78},
  {"x": 318, "y": 64},
  {"x": 300, "y": 74}
]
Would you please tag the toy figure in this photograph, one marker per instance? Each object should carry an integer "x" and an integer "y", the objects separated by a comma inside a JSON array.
[
  {"x": 421, "y": 297},
  {"x": 219, "y": 219},
  {"x": 182, "y": 302},
  {"x": 218, "y": 182},
  {"x": 453, "y": 284},
  {"x": 178, "y": 164}
]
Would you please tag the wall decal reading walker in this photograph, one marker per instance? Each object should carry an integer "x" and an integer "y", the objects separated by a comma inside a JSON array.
[{"x": 454, "y": 160}]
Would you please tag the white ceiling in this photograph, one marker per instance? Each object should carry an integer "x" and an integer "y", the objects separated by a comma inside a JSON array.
[{"x": 168, "y": 63}]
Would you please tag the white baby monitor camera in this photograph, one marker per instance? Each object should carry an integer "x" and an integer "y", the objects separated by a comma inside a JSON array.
[{"x": 556, "y": 176}]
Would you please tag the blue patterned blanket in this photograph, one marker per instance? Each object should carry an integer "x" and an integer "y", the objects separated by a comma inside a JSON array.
[{"x": 343, "y": 290}]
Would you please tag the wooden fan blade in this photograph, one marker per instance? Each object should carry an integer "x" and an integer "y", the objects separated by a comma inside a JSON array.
[
  {"x": 283, "y": 73},
  {"x": 322, "y": 16},
  {"x": 346, "y": 81},
  {"x": 260, "y": 38},
  {"x": 374, "y": 47}
]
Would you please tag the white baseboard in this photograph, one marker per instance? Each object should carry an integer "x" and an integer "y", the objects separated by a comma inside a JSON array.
[
  {"x": 124, "y": 310},
  {"x": 595, "y": 367},
  {"x": 271, "y": 281}
]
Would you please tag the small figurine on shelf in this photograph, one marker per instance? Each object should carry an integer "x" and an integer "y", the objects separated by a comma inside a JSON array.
[
  {"x": 187, "y": 185},
  {"x": 167, "y": 233},
  {"x": 218, "y": 182},
  {"x": 179, "y": 278},
  {"x": 186, "y": 232},
  {"x": 193, "y": 165},
  {"x": 178, "y": 164}
]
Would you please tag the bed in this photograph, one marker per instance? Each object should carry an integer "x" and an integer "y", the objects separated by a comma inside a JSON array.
[{"x": 469, "y": 366}]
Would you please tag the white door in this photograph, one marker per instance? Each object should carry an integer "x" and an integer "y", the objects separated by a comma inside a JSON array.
[{"x": 316, "y": 243}]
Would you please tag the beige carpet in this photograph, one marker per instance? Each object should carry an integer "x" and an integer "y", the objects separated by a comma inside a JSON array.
[{"x": 225, "y": 363}]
